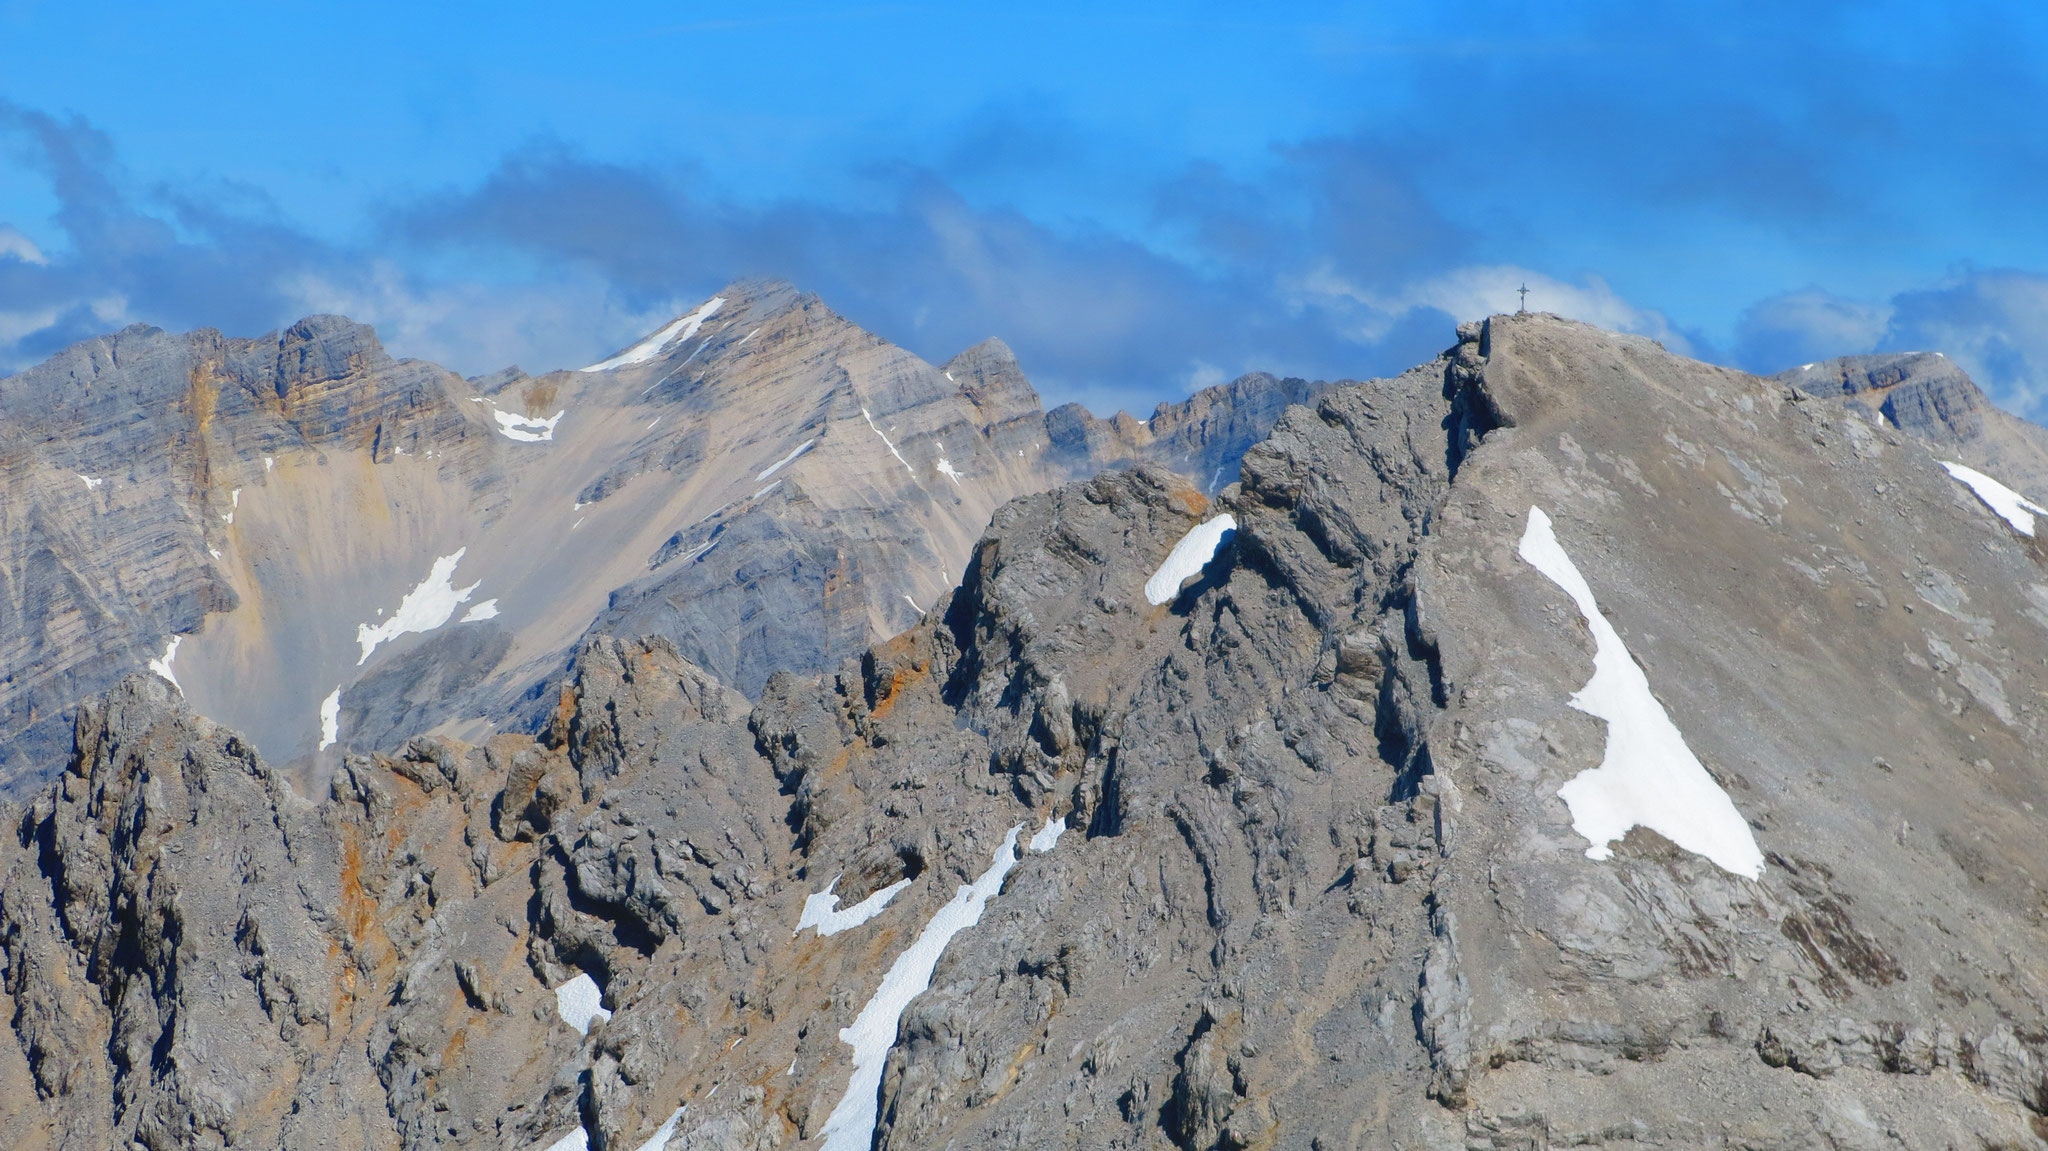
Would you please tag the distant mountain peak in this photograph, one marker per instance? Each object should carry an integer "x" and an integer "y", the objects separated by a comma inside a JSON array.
[{"x": 263, "y": 500}]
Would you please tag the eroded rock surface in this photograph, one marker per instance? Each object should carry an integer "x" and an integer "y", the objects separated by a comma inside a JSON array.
[
  {"x": 1317, "y": 886},
  {"x": 319, "y": 527}
]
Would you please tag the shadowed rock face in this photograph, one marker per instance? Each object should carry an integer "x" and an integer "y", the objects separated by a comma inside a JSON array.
[
  {"x": 1318, "y": 889},
  {"x": 764, "y": 483}
]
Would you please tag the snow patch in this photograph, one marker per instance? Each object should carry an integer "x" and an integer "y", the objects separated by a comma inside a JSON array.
[
  {"x": 764, "y": 491},
  {"x": 488, "y": 609},
  {"x": 947, "y": 470},
  {"x": 851, "y": 1126},
  {"x": 577, "y": 1002},
  {"x": 1647, "y": 777},
  {"x": 912, "y": 603},
  {"x": 235, "y": 498},
  {"x": 659, "y": 1140},
  {"x": 778, "y": 465},
  {"x": 2012, "y": 507},
  {"x": 1188, "y": 557},
  {"x": 885, "y": 443},
  {"x": 1048, "y": 837},
  {"x": 162, "y": 664},
  {"x": 819, "y": 909},
  {"x": 676, "y": 331},
  {"x": 330, "y": 719},
  {"x": 91, "y": 482},
  {"x": 577, "y": 1140},
  {"x": 269, "y": 462},
  {"x": 527, "y": 429},
  {"x": 423, "y": 609}
]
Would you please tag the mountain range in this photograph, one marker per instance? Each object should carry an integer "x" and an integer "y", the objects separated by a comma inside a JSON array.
[
  {"x": 1564, "y": 743},
  {"x": 330, "y": 549}
]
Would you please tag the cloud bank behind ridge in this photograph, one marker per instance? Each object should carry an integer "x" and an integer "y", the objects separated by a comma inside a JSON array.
[{"x": 1177, "y": 196}]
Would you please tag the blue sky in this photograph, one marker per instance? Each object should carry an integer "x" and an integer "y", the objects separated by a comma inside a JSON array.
[{"x": 1138, "y": 201}]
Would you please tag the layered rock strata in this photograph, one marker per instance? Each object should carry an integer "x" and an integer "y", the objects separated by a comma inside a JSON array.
[
  {"x": 329, "y": 549},
  {"x": 1298, "y": 858}
]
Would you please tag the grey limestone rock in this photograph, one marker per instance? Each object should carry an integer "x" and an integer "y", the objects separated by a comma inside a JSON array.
[
  {"x": 763, "y": 483},
  {"x": 1318, "y": 886}
]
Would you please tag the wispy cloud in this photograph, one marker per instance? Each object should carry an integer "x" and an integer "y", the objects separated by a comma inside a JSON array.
[{"x": 1992, "y": 321}]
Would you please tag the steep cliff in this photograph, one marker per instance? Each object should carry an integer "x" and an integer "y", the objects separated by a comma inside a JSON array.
[
  {"x": 1569, "y": 745},
  {"x": 328, "y": 549}
]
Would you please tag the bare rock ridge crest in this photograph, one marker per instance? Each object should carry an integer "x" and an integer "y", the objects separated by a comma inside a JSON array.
[
  {"x": 348, "y": 550},
  {"x": 1319, "y": 885}
]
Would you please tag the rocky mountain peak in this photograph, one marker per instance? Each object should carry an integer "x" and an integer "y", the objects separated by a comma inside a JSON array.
[
  {"x": 988, "y": 374},
  {"x": 1925, "y": 393},
  {"x": 1395, "y": 810},
  {"x": 329, "y": 547}
]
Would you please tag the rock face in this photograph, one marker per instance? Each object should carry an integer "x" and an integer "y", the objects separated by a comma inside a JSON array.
[
  {"x": 1925, "y": 395},
  {"x": 1291, "y": 866},
  {"x": 1203, "y": 437},
  {"x": 331, "y": 534}
]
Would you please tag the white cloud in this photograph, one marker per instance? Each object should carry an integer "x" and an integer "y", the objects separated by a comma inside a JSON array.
[
  {"x": 476, "y": 327},
  {"x": 15, "y": 325},
  {"x": 17, "y": 246},
  {"x": 1477, "y": 291},
  {"x": 1831, "y": 319}
]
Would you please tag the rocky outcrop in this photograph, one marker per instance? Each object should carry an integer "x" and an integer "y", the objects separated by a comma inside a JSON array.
[
  {"x": 761, "y": 481},
  {"x": 1203, "y": 436},
  {"x": 123, "y": 462},
  {"x": 1294, "y": 863}
]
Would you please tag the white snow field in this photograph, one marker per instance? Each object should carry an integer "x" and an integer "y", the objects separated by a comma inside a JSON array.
[
  {"x": 851, "y": 1126},
  {"x": 162, "y": 664},
  {"x": 675, "y": 332},
  {"x": 330, "y": 719},
  {"x": 577, "y": 1140},
  {"x": 1048, "y": 837},
  {"x": 1648, "y": 776},
  {"x": 885, "y": 442},
  {"x": 2012, "y": 507},
  {"x": 577, "y": 1002},
  {"x": 1188, "y": 557},
  {"x": 785, "y": 461},
  {"x": 423, "y": 609},
  {"x": 818, "y": 909},
  {"x": 488, "y": 609},
  {"x": 659, "y": 1140},
  {"x": 527, "y": 429}
]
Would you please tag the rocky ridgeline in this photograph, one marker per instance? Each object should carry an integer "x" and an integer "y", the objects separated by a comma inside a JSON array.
[
  {"x": 1291, "y": 867},
  {"x": 760, "y": 481}
]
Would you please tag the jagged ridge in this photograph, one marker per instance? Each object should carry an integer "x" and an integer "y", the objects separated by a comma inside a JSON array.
[{"x": 1320, "y": 889}]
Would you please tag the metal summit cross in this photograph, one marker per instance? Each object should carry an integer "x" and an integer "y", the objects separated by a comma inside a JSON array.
[{"x": 1523, "y": 291}]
